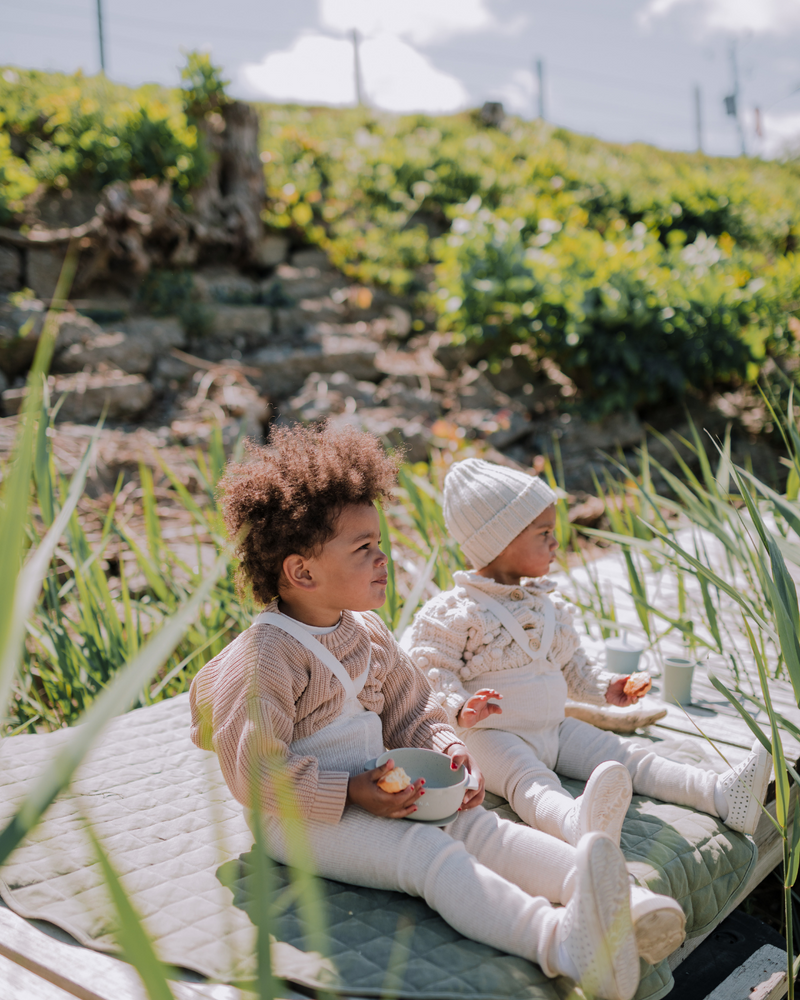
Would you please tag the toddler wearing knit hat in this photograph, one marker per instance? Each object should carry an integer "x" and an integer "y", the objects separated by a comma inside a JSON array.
[{"x": 501, "y": 634}]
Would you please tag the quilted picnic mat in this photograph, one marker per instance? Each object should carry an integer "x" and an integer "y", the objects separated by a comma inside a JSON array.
[{"x": 181, "y": 846}]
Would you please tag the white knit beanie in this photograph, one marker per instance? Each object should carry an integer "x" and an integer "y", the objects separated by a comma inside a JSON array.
[{"x": 486, "y": 506}]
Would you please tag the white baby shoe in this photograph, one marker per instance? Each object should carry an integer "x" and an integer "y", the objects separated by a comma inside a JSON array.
[
  {"x": 659, "y": 924},
  {"x": 740, "y": 792},
  {"x": 602, "y": 806},
  {"x": 593, "y": 941}
]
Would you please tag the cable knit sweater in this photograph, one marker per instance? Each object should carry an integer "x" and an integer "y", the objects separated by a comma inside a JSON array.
[
  {"x": 266, "y": 690},
  {"x": 453, "y": 640}
]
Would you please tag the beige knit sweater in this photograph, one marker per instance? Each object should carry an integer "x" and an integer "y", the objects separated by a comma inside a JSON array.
[
  {"x": 454, "y": 640},
  {"x": 266, "y": 690}
]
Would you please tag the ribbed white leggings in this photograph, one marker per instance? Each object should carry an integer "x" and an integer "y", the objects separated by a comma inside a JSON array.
[
  {"x": 511, "y": 768},
  {"x": 490, "y": 879}
]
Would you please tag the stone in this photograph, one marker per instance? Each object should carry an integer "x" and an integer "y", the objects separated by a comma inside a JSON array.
[
  {"x": 324, "y": 395},
  {"x": 310, "y": 257},
  {"x": 476, "y": 392},
  {"x": 165, "y": 332},
  {"x": 397, "y": 431},
  {"x": 243, "y": 327},
  {"x": 10, "y": 269},
  {"x": 417, "y": 402},
  {"x": 272, "y": 250},
  {"x": 308, "y": 282},
  {"x": 226, "y": 286},
  {"x": 133, "y": 355},
  {"x": 513, "y": 426},
  {"x": 20, "y": 326},
  {"x": 284, "y": 369},
  {"x": 399, "y": 320},
  {"x": 43, "y": 269},
  {"x": 89, "y": 394}
]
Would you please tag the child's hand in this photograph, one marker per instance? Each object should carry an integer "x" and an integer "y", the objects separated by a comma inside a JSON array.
[
  {"x": 473, "y": 796},
  {"x": 478, "y": 707},
  {"x": 362, "y": 790},
  {"x": 615, "y": 695}
]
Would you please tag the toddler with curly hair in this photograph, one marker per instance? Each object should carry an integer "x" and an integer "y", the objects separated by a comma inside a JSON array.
[{"x": 317, "y": 686}]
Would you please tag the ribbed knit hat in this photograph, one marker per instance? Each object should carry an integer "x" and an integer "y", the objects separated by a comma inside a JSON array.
[{"x": 486, "y": 506}]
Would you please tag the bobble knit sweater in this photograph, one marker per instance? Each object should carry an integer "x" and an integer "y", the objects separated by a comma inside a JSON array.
[
  {"x": 454, "y": 640},
  {"x": 266, "y": 690}
]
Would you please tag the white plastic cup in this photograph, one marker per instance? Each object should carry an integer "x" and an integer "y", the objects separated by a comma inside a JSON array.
[
  {"x": 622, "y": 657},
  {"x": 676, "y": 680}
]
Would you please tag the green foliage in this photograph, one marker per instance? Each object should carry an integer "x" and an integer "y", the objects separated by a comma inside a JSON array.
[
  {"x": 203, "y": 86},
  {"x": 63, "y": 131},
  {"x": 630, "y": 321},
  {"x": 87, "y": 623},
  {"x": 642, "y": 273}
]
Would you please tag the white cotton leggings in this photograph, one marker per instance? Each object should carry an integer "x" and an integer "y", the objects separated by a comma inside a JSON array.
[
  {"x": 490, "y": 879},
  {"x": 511, "y": 768}
]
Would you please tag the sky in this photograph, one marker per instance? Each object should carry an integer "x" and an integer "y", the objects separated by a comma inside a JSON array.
[{"x": 624, "y": 70}]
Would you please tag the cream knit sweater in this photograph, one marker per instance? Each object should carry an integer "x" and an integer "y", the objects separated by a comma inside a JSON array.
[
  {"x": 453, "y": 640},
  {"x": 266, "y": 690}
]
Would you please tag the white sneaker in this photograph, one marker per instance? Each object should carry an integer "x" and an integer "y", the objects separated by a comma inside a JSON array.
[
  {"x": 740, "y": 792},
  {"x": 602, "y": 806},
  {"x": 594, "y": 943},
  {"x": 659, "y": 924}
]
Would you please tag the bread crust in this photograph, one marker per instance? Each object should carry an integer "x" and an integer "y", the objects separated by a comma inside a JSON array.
[
  {"x": 394, "y": 781},
  {"x": 638, "y": 684}
]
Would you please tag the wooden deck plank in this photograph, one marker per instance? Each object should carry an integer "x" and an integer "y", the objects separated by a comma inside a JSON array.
[
  {"x": 770, "y": 855},
  {"x": 18, "y": 983},
  {"x": 84, "y": 973},
  {"x": 761, "y": 977}
]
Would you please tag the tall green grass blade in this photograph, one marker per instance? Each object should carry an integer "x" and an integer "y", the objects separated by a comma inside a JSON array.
[
  {"x": 29, "y": 579},
  {"x": 260, "y": 911},
  {"x": 130, "y": 934},
  {"x": 752, "y": 725},
  {"x": 415, "y": 594},
  {"x": 391, "y": 607},
  {"x": 116, "y": 699}
]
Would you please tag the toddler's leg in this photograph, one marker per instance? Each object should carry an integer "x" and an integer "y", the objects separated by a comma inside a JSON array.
[
  {"x": 511, "y": 768},
  {"x": 582, "y": 747},
  {"x": 542, "y": 865},
  {"x": 591, "y": 939}
]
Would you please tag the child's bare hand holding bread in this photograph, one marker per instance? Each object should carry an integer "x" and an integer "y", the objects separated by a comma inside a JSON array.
[{"x": 364, "y": 790}]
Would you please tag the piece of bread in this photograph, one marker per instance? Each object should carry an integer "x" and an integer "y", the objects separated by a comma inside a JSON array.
[
  {"x": 395, "y": 780},
  {"x": 637, "y": 685}
]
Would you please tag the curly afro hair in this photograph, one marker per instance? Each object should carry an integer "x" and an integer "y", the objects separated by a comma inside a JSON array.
[{"x": 290, "y": 492}]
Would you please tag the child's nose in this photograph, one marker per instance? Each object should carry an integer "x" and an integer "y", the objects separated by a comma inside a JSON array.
[{"x": 382, "y": 558}]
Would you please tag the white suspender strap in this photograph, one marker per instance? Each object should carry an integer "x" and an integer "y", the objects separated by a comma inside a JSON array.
[
  {"x": 295, "y": 629},
  {"x": 506, "y": 619}
]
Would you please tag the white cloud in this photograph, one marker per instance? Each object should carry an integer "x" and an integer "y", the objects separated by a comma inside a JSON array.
[
  {"x": 319, "y": 70},
  {"x": 781, "y": 134},
  {"x": 763, "y": 16},
  {"x": 420, "y": 21},
  {"x": 518, "y": 94}
]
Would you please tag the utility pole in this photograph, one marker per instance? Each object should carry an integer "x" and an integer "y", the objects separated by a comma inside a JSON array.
[
  {"x": 356, "y": 69},
  {"x": 540, "y": 78},
  {"x": 732, "y": 102},
  {"x": 698, "y": 118},
  {"x": 100, "y": 36}
]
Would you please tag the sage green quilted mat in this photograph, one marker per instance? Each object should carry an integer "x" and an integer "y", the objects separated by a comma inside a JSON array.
[{"x": 180, "y": 844}]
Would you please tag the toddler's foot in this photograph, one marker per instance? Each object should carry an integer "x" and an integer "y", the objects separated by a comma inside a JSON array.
[
  {"x": 741, "y": 791},
  {"x": 593, "y": 941},
  {"x": 602, "y": 806},
  {"x": 658, "y": 922}
]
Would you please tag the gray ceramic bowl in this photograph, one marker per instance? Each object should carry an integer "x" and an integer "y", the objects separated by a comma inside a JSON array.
[{"x": 444, "y": 787}]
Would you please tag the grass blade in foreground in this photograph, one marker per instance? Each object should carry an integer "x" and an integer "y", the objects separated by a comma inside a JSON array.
[
  {"x": 117, "y": 698},
  {"x": 131, "y": 936}
]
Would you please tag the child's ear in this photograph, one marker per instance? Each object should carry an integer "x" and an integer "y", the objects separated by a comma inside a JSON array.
[{"x": 296, "y": 573}]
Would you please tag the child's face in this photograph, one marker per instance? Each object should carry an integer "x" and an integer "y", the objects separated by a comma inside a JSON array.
[
  {"x": 529, "y": 554},
  {"x": 350, "y": 571}
]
